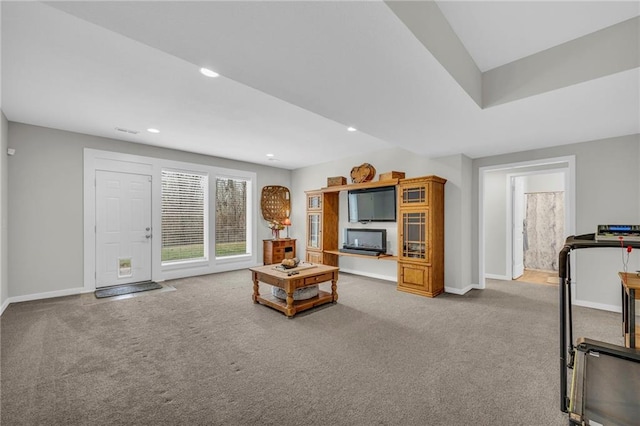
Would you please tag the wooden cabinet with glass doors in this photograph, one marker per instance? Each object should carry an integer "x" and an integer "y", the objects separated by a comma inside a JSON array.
[
  {"x": 421, "y": 235},
  {"x": 322, "y": 227}
]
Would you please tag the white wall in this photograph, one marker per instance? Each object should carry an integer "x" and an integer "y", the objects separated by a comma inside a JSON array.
[
  {"x": 4, "y": 216},
  {"x": 607, "y": 178},
  {"x": 495, "y": 222},
  {"x": 602, "y": 53},
  {"x": 46, "y": 203},
  {"x": 456, "y": 169},
  {"x": 545, "y": 182},
  {"x": 4, "y": 143},
  {"x": 496, "y": 216}
]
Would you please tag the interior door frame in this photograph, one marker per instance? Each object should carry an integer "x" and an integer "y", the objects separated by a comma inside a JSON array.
[
  {"x": 511, "y": 202},
  {"x": 111, "y": 162},
  {"x": 570, "y": 203},
  {"x": 512, "y": 222}
]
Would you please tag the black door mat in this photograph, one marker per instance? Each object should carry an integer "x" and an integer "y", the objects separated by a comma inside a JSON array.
[{"x": 127, "y": 289}]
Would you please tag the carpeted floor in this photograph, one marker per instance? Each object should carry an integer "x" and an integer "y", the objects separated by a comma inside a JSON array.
[{"x": 205, "y": 354}]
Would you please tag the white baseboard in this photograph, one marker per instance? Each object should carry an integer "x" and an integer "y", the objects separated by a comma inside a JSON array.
[
  {"x": 601, "y": 306},
  {"x": 452, "y": 290},
  {"x": 497, "y": 277},
  {"x": 461, "y": 291},
  {"x": 47, "y": 295},
  {"x": 370, "y": 275},
  {"x": 592, "y": 305}
]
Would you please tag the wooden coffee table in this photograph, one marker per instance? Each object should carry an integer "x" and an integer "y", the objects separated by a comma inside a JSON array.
[{"x": 306, "y": 276}]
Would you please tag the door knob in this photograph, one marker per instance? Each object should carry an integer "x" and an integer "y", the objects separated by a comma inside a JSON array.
[{"x": 148, "y": 236}]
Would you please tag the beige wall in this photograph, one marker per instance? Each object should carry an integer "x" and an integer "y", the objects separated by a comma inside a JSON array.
[
  {"x": 456, "y": 169},
  {"x": 495, "y": 223},
  {"x": 544, "y": 182},
  {"x": 497, "y": 254},
  {"x": 46, "y": 203},
  {"x": 607, "y": 178},
  {"x": 4, "y": 216}
]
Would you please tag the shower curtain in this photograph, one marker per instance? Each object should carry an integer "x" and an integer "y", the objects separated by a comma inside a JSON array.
[{"x": 543, "y": 230}]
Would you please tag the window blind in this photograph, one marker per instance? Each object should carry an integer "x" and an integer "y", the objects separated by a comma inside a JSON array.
[{"x": 183, "y": 216}]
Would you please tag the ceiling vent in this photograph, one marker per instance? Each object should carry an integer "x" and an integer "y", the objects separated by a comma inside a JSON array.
[{"x": 131, "y": 132}]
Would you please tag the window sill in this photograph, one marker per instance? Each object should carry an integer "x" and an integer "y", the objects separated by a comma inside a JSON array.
[
  {"x": 234, "y": 259},
  {"x": 188, "y": 264}
]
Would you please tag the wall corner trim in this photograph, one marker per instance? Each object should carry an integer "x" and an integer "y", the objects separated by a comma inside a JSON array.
[
  {"x": 497, "y": 277},
  {"x": 462, "y": 291},
  {"x": 4, "y": 306}
]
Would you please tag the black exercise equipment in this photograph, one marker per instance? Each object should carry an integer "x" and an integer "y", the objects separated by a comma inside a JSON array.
[{"x": 605, "y": 387}]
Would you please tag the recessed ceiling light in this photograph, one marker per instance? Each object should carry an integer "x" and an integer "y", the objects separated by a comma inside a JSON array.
[
  {"x": 351, "y": 129},
  {"x": 208, "y": 72},
  {"x": 153, "y": 130},
  {"x": 270, "y": 155}
]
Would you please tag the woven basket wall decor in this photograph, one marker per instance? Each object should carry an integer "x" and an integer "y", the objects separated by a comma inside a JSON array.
[
  {"x": 275, "y": 203},
  {"x": 365, "y": 172}
]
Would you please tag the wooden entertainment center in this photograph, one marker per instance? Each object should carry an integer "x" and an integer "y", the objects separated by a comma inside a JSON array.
[{"x": 420, "y": 220}]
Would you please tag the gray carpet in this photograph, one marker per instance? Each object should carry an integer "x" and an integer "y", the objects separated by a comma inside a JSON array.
[{"x": 205, "y": 354}]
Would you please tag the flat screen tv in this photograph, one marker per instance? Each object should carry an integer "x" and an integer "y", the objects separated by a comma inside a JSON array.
[{"x": 372, "y": 204}]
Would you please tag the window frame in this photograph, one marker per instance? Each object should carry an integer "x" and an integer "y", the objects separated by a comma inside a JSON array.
[{"x": 249, "y": 220}]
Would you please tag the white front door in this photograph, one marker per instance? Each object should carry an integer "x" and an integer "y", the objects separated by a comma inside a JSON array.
[
  {"x": 517, "y": 199},
  {"x": 123, "y": 228}
]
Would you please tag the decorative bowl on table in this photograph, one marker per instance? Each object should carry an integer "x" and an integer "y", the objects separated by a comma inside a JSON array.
[{"x": 290, "y": 263}]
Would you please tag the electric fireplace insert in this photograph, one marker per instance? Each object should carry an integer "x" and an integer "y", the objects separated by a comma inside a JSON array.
[{"x": 372, "y": 242}]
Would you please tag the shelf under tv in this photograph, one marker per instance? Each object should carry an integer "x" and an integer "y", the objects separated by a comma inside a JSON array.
[{"x": 362, "y": 256}]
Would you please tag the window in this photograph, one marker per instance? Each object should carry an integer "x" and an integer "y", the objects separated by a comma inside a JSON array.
[
  {"x": 231, "y": 216},
  {"x": 184, "y": 216}
]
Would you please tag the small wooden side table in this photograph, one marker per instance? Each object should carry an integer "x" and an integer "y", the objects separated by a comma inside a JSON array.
[
  {"x": 630, "y": 282},
  {"x": 274, "y": 250}
]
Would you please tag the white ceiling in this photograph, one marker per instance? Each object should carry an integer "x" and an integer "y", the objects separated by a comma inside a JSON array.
[
  {"x": 296, "y": 74},
  {"x": 498, "y": 32}
]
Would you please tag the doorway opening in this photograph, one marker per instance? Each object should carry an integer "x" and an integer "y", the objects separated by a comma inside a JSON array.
[
  {"x": 535, "y": 276},
  {"x": 538, "y": 206},
  {"x": 526, "y": 213}
]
